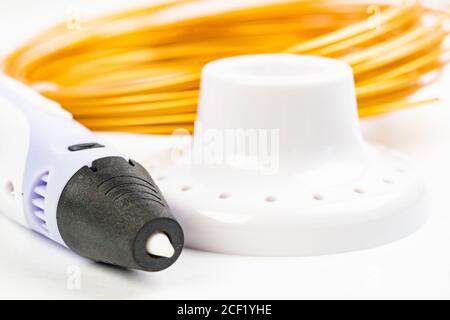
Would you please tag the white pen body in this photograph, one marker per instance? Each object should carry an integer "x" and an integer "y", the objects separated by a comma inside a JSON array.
[{"x": 35, "y": 160}]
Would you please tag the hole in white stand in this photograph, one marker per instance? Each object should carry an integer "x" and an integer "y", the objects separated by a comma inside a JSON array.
[
  {"x": 318, "y": 197},
  {"x": 359, "y": 191},
  {"x": 271, "y": 199},
  {"x": 388, "y": 181},
  {"x": 224, "y": 195},
  {"x": 186, "y": 188}
]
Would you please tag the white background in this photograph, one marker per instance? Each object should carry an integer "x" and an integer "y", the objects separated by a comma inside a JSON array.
[{"x": 415, "y": 267}]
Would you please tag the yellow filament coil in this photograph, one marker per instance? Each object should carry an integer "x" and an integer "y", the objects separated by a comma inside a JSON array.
[{"x": 139, "y": 71}]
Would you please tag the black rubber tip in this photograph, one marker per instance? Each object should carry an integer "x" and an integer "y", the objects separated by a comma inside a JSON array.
[{"x": 107, "y": 213}]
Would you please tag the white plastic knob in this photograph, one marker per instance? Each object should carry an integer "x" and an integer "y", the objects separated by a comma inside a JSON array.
[{"x": 310, "y": 100}]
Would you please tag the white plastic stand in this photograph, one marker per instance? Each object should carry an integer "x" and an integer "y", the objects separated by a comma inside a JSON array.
[{"x": 305, "y": 182}]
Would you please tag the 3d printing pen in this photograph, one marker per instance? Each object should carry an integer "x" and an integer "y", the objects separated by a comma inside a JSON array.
[{"x": 57, "y": 179}]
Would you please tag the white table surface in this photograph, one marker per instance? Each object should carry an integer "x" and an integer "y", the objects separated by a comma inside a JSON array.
[{"x": 415, "y": 267}]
